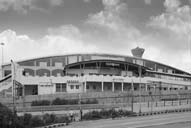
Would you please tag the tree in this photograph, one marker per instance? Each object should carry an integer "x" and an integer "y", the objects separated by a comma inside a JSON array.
[{"x": 6, "y": 117}]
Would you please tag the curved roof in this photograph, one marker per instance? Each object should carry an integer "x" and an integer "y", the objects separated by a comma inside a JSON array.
[
  {"x": 100, "y": 54},
  {"x": 109, "y": 61}
]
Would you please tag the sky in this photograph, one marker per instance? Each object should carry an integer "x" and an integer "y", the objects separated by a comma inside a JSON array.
[{"x": 37, "y": 28}]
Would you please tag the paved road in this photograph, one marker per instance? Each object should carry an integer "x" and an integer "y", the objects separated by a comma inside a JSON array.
[{"x": 134, "y": 122}]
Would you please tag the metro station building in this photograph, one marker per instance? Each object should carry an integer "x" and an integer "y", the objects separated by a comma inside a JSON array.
[{"x": 81, "y": 73}]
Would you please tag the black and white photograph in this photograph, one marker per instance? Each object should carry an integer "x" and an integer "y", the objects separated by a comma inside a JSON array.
[{"x": 95, "y": 63}]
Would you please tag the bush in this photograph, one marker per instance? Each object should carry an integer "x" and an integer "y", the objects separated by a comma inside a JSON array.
[
  {"x": 26, "y": 120},
  {"x": 94, "y": 101},
  {"x": 9, "y": 120},
  {"x": 49, "y": 119},
  {"x": 6, "y": 116},
  {"x": 73, "y": 101},
  {"x": 59, "y": 101},
  {"x": 103, "y": 114},
  {"x": 40, "y": 103},
  {"x": 63, "y": 119},
  {"x": 36, "y": 121}
]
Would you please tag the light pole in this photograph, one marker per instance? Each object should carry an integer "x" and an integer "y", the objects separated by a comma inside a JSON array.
[
  {"x": 2, "y": 57},
  {"x": 140, "y": 72}
]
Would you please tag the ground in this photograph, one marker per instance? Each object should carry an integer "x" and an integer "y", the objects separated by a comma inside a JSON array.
[
  {"x": 156, "y": 121},
  {"x": 173, "y": 125}
]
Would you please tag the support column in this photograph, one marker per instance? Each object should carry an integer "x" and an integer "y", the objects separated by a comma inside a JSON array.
[
  {"x": 51, "y": 65},
  {"x": 23, "y": 90},
  {"x": 35, "y": 65},
  {"x": 146, "y": 87},
  {"x": 85, "y": 84},
  {"x": 132, "y": 86},
  {"x": 140, "y": 85},
  {"x": 122, "y": 84},
  {"x": 102, "y": 86},
  {"x": 154, "y": 88},
  {"x": 113, "y": 89}
]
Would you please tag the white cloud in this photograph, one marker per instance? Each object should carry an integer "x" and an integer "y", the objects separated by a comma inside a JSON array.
[
  {"x": 172, "y": 4},
  {"x": 175, "y": 22},
  {"x": 110, "y": 3},
  {"x": 109, "y": 17},
  {"x": 112, "y": 26},
  {"x": 24, "y": 5},
  {"x": 56, "y": 2},
  {"x": 148, "y": 2},
  {"x": 110, "y": 31},
  {"x": 20, "y": 47},
  {"x": 177, "y": 18},
  {"x": 87, "y": 1}
]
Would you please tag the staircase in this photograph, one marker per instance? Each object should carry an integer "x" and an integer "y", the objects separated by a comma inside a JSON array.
[{"x": 5, "y": 84}]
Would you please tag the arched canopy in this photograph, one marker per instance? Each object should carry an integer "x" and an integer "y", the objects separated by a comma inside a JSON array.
[{"x": 106, "y": 65}]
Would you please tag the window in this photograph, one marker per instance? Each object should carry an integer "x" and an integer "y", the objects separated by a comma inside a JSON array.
[
  {"x": 58, "y": 74},
  {"x": 160, "y": 70},
  {"x": 58, "y": 88},
  {"x": 72, "y": 87},
  {"x": 26, "y": 74},
  {"x": 58, "y": 64},
  {"x": 43, "y": 64},
  {"x": 63, "y": 87},
  {"x": 170, "y": 71},
  {"x": 77, "y": 86},
  {"x": 7, "y": 72},
  {"x": 72, "y": 59}
]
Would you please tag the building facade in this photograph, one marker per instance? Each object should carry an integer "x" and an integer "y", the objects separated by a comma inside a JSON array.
[{"x": 81, "y": 73}]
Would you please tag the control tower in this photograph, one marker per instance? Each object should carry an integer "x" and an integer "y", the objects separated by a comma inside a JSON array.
[{"x": 137, "y": 52}]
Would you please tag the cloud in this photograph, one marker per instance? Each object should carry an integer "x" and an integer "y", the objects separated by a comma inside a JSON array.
[
  {"x": 87, "y": 1},
  {"x": 109, "y": 17},
  {"x": 176, "y": 23},
  {"x": 111, "y": 31},
  {"x": 172, "y": 4},
  {"x": 177, "y": 18},
  {"x": 148, "y": 2},
  {"x": 25, "y": 5},
  {"x": 172, "y": 33},
  {"x": 20, "y": 47},
  {"x": 56, "y": 2},
  {"x": 115, "y": 31},
  {"x": 111, "y": 25}
]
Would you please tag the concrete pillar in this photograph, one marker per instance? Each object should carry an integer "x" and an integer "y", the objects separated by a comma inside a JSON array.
[
  {"x": 23, "y": 90},
  {"x": 154, "y": 87},
  {"x": 35, "y": 65},
  {"x": 51, "y": 65},
  {"x": 132, "y": 86},
  {"x": 146, "y": 87},
  {"x": 85, "y": 84},
  {"x": 140, "y": 85},
  {"x": 102, "y": 86},
  {"x": 122, "y": 84},
  {"x": 113, "y": 87}
]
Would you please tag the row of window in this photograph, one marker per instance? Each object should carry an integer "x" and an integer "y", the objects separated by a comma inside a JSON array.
[
  {"x": 60, "y": 87},
  {"x": 74, "y": 86},
  {"x": 171, "y": 77}
]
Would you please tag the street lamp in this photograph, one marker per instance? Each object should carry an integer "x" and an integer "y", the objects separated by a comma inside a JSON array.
[{"x": 2, "y": 44}]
